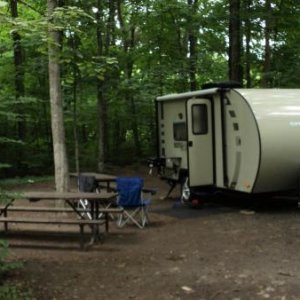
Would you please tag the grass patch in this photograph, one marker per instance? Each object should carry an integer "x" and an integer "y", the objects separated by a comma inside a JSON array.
[
  {"x": 24, "y": 180},
  {"x": 9, "y": 292}
]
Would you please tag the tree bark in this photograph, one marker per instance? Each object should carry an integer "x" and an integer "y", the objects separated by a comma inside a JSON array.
[
  {"x": 101, "y": 101},
  {"x": 235, "y": 44},
  {"x": 75, "y": 125},
  {"x": 19, "y": 86},
  {"x": 129, "y": 36},
  {"x": 192, "y": 37},
  {"x": 101, "y": 112},
  {"x": 56, "y": 104},
  {"x": 266, "y": 82},
  {"x": 130, "y": 98},
  {"x": 73, "y": 42},
  {"x": 248, "y": 47}
]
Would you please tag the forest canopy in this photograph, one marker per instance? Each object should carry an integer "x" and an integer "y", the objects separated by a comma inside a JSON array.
[{"x": 116, "y": 56}]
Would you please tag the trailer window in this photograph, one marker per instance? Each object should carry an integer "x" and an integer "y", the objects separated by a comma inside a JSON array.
[
  {"x": 179, "y": 131},
  {"x": 200, "y": 119}
]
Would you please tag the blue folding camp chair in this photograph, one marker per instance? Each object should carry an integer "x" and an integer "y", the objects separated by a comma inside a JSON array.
[{"x": 131, "y": 199}]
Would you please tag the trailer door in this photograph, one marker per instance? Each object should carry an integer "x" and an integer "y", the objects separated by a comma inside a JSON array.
[{"x": 200, "y": 142}]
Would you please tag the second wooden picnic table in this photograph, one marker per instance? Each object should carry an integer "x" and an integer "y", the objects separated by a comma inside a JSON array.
[{"x": 99, "y": 177}]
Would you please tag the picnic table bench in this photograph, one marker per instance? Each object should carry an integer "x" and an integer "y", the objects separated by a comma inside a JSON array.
[{"x": 70, "y": 198}]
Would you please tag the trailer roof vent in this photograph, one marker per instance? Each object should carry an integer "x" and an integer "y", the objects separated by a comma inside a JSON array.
[{"x": 222, "y": 84}]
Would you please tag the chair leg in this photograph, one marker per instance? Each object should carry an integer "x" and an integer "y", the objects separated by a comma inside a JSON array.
[
  {"x": 111, "y": 216},
  {"x": 127, "y": 217},
  {"x": 138, "y": 216},
  {"x": 81, "y": 236},
  {"x": 145, "y": 216},
  {"x": 83, "y": 204},
  {"x": 106, "y": 222},
  {"x": 120, "y": 220}
]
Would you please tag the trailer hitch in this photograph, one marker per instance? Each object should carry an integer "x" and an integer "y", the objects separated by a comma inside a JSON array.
[{"x": 157, "y": 163}]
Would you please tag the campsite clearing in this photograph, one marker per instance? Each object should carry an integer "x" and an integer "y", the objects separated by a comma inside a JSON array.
[{"x": 229, "y": 249}]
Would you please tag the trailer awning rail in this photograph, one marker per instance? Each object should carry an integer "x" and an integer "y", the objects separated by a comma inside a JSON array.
[{"x": 199, "y": 93}]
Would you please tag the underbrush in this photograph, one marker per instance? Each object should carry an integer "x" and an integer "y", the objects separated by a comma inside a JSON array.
[
  {"x": 9, "y": 290},
  {"x": 5, "y": 183}
]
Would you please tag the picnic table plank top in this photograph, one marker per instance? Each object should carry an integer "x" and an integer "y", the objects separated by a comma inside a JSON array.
[{"x": 39, "y": 195}]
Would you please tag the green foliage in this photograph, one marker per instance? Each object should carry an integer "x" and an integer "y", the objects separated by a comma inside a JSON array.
[
  {"x": 134, "y": 52},
  {"x": 8, "y": 292},
  {"x": 128, "y": 54},
  {"x": 4, "y": 140},
  {"x": 5, "y": 266},
  {"x": 3, "y": 255},
  {"x": 70, "y": 18}
]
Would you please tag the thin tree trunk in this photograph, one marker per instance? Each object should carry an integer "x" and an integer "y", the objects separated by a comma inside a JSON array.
[
  {"x": 131, "y": 101},
  {"x": 248, "y": 47},
  {"x": 73, "y": 43},
  {"x": 103, "y": 50},
  {"x": 266, "y": 82},
  {"x": 101, "y": 103},
  {"x": 101, "y": 144},
  {"x": 192, "y": 47},
  {"x": 75, "y": 125},
  {"x": 19, "y": 84},
  {"x": 193, "y": 62},
  {"x": 57, "y": 118},
  {"x": 183, "y": 49},
  {"x": 129, "y": 43},
  {"x": 235, "y": 45}
]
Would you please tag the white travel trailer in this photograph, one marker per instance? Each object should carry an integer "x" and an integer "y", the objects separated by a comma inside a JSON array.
[{"x": 245, "y": 140}]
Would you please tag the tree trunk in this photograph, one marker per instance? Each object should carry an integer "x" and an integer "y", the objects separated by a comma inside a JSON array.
[
  {"x": 101, "y": 101},
  {"x": 101, "y": 108},
  {"x": 192, "y": 38},
  {"x": 75, "y": 125},
  {"x": 57, "y": 118},
  {"x": 235, "y": 45},
  {"x": 130, "y": 98},
  {"x": 128, "y": 44},
  {"x": 73, "y": 42},
  {"x": 248, "y": 47},
  {"x": 183, "y": 74},
  {"x": 103, "y": 49},
  {"x": 19, "y": 85},
  {"x": 266, "y": 80}
]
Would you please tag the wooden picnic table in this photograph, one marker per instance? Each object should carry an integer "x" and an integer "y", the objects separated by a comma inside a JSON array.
[{"x": 95, "y": 210}]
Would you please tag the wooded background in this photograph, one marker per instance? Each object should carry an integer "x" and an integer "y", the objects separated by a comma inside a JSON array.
[{"x": 115, "y": 57}]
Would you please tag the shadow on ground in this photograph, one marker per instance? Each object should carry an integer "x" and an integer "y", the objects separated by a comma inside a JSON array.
[{"x": 221, "y": 204}]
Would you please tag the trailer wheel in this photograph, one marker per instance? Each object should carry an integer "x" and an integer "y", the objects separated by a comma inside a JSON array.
[{"x": 196, "y": 203}]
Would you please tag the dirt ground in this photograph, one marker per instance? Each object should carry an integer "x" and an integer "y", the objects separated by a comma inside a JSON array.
[{"x": 229, "y": 249}]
